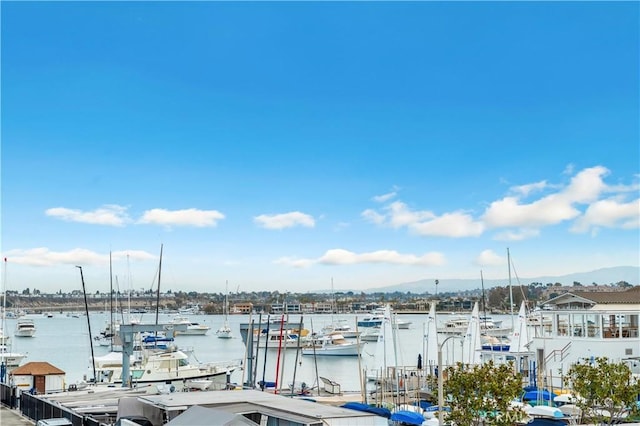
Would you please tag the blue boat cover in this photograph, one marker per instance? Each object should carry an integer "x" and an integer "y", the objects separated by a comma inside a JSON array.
[
  {"x": 358, "y": 406},
  {"x": 425, "y": 405},
  {"x": 407, "y": 417},
  {"x": 547, "y": 422},
  {"x": 534, "y": 395}
]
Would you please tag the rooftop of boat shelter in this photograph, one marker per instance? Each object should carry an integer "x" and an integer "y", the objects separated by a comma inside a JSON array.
[
  {"x": 243, "y": 401},
  {"x": 98, "y": 401}
]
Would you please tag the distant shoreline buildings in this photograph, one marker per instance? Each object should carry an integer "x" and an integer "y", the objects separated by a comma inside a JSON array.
[{"x": 494, "y": 300}]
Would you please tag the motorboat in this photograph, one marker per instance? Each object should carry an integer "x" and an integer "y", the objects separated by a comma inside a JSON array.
[
  {"x": 372, "y": 319},
  {"x": 372, "y": 334},
  {"x": 332, "y": 344},
  {"x": 401, "y": 324},
  {"x": 9, "y": 358},
  {"x": 276, "y": 338},
  {"x": 160, "y": 366},
  {"x": 458, "y": 325},
  {"x": 193, "y": 328},
  {"x": 341, "y": 327},
  {"x": 25, "y": 327}
]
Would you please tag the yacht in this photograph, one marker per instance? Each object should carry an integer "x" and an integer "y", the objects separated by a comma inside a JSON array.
[
  {"x": 341, "y": 327},
  {"x": 10, "y": 359},
  {"x": 25, "y": 327},
  {"x": 275, "y": 338},
  {"x": 458, "y": 326},
  {"x": 193, "y": 328},
  {"x": 161, "y": 366},
  {"x": 333, "y": 344},
  {"x": 372, "y": 319}
]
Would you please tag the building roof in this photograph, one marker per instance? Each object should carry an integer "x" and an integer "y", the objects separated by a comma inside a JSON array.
[
  {"x": 630, "y": 296},
  {"x": 37, "y": 368}
]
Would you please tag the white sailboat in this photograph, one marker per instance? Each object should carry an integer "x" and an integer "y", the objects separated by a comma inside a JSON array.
[
  {"x": 431, "y": 356},
  {"x": 225, "y": 332},
  {"x": 520, "y": 336},
  {"x": 472, "y": 343}
]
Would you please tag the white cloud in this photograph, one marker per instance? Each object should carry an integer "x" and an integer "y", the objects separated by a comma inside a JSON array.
[
  {"x": 42, "y": 256},
  {"x": 426, "y": 223},
  {"x": 552, "y": 209},
  {"x": 519, "y": 218},
  {"x": 454, "y": 225},
  {"x": 186, "y": 217},
  {"x": 384, "y": 197},
  {"x": 517, "y": 234},
  {"x": 346, "y": 257},
  {"x": 284, "y": 220},
  {"x": 490, "y": 258},
  {"x": 110, "y": 214},
  {"x": 373, "y": 216},
  {"x": 400, "y": 215},
  {"x": 525, "y": 190},
  {"x": 610, "y": 213},
  {"x": 508, "y": 212}
]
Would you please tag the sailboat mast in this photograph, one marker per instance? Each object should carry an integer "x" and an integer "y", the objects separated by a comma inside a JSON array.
[
  {"x": 4, "y": 299},
  {"x": 158, "y": 292},
  {"x": 484, "y": 302},
  {"x": 86, "y": 308},
  {"x": 510, "y": 286},
  {"x": 111, "y": 330}
]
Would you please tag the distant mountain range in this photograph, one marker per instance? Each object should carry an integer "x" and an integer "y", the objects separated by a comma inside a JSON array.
[{"x": 604, "y": 276}]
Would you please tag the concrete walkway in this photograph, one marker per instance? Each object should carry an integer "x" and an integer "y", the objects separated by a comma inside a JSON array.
[{"x": 9, "y": 417}]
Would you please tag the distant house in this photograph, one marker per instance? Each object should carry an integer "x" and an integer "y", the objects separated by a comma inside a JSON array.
[{"x": 40, "y": 376}]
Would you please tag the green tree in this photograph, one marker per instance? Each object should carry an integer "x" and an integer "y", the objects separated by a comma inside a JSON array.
[
  {"x": 604, "y": 390},
  {"x": 482, "y": 394}
]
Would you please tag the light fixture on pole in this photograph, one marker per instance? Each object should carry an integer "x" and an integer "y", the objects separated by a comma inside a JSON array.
[{"x": 440, "y": 381}]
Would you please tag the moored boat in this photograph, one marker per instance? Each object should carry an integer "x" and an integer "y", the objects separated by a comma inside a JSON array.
[
  {"x": 193, "y": 328},
  {"x": 274, "y": 338},
  {"x": 25, "y": 327},
  {"x": 332, "y": 344},
  {"x": 167, "y": 366}
]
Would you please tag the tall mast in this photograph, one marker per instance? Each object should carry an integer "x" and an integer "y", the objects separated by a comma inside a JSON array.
[
  {"x": 484, "y": 302},
  {"x": 111, "y": 331},
  {"x": 510, "y": 287},
  {"x": 86, "y": 308},
  {"x": 3, "y": 366},
  {"x": 158, "y": 293}
]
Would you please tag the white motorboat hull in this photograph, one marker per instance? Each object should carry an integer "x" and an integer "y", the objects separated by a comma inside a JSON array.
[{"x": 346, "y": 350}]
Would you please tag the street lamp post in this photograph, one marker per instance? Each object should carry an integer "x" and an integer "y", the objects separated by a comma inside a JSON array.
[{"x": 440, "y": 381}]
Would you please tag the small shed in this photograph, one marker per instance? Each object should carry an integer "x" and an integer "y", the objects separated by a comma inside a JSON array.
[{"x": 40, "y": 376}]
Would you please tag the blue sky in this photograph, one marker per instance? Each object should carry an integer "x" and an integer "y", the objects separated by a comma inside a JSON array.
[{"x": 283, "y": 145}]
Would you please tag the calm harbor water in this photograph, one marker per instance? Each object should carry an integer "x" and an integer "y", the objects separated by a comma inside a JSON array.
[{"x": 63, "y": 341}]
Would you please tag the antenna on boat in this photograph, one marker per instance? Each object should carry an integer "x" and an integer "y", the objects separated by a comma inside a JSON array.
[{"x": 86, "y": 308}]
